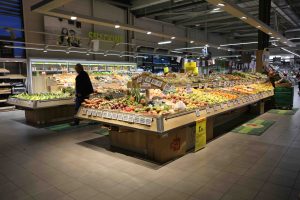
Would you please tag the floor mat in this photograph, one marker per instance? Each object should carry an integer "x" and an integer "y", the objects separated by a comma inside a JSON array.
[
  {"x": 254, "y": 127},
  {"x": 283, "y": 112},
  {"x": 67, "y": 126}
]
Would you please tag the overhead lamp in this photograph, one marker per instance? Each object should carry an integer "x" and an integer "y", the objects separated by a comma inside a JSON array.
[
  {"x": 290, "y": 52},
  {"x": 149, "y": 33},
  {"x": 243, "y": 17},
  {"x": 73, "y": 18},
  {"x": 285, "y": 42},
  {"x": 87, "y": 53},
  {"x": 173, "y": 38},
  {"x": 164, "y": 42},
  {"x": 67, "y": 51},
  {"x": 258, "y": 27},
  {"x": 270, "y": 33},
  {"x": 207, "y": 45},
  {"x": 272, "y": 37},
  {"x": 221, "y": 4},
  {"x": 216, "y": 9},
  {"x": 176, "y": 51},
  {"x": 45, "y": 49},
  {"x": 219, "y": 47},
  {"x": 235, "y": 44},
  {"x": 117, "y": 26},
  {"x": 278, "y": 38},
  {"x": 192, "y": 41},
  {"x": 105, "y": 54},
  {"x": 197, "y": 25}
]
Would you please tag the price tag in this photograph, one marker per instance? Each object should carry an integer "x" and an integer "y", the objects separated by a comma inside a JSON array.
[
  {"x": 89, "y": 112},
  {"x": 148, "y": 80},
  {"x": 216, "y": 108},
  {"x": 148, "y": 121},
  {"x": 94, "y": 113},
  {"x": 203, "y": 112},
  {"x": 125, "y": 118},
  {"x": 214, "y": 84},
  {"x": 136, "y": 119},
  {"x": 167, "y": 87},
  {"x": 205, "y": 85},
  {"x": 159, "y": 83},
  {"x": 207, "y": 110},
  {"x": 223, "y": 105},
  {"x": 189, "y": 89},
  {"x": 142, "y": 120},
  {"x": 104, "y": 114},
  {"x": 200, "y": 85},
  {"x": 120, "y": 117},
  {"x": 109, "y": 115},
  {"x": 221, "y": 84},
  {"x": 99, "y": 113},
  {"x": 114, "y": 115},
  {"x": 131, "y": 118},
  {"x": 197, "y": 113},
  {"x": 140, "y": 79}
]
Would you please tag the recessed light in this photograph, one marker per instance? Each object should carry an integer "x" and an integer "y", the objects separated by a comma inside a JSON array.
[
  {"x": 284, "y": 42},
  {"x": 45, "y": 51},
  {"x": 197, "y": 25},
  {"x": 272, "y": 37},
  {"x": 270, "y": 33},
  {"x": 173, "y": 38},
  {"x": 278, "y": 38},
  {"x": 215, "y": 9},
  {"x": 117, "y": 26},
  {"x": 219, "y": 47},
  {"x": 258, "y": 27},
  {"x": 73, "y": 18},
  {"x": 192, "y": 41},
  {"x": 105, "y": 55},
  {"x": 221, "y": 4},
  {"x": 149, "y": 33},
  {"x": 165, "y": 42},
  {"x": 243, "y": 17},
  {"x": 207, "y": 45},
  {"x": 67, "y": 52}
]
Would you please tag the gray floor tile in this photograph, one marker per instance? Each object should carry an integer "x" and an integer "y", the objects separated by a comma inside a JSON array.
[
  {"x": 50, "y": 194},
  {"x": 83, "y": 193},
  {"x": 208, "y": 194}
]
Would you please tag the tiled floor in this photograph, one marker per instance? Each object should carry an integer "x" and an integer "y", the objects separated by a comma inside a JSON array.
[{"x": 43, "y": 165}]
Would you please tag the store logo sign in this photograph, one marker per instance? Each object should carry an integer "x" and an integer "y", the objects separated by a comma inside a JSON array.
[{"x": 106, "y": 37}]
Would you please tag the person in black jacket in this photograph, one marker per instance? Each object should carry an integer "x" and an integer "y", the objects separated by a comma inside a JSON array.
[{"x": 83, "y": 88}]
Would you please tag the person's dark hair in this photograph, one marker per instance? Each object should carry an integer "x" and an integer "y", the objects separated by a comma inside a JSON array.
[{"x": 79, "y": 66}]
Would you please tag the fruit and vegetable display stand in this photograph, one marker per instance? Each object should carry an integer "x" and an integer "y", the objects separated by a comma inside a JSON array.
[
  {"x": 43, "y": 109},
  {"x": 161, "y": 133}
]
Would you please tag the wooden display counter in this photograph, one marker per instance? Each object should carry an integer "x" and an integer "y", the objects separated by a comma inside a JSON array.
[
  {"x": 45, "y": 112},
  {"x": 165, "y": 138}
]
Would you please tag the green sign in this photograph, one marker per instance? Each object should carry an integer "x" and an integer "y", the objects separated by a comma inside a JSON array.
[{"x": 106, "y": 37}]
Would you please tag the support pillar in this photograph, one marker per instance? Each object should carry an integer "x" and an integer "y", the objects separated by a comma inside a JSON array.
[{"x": 263, "y": 38}]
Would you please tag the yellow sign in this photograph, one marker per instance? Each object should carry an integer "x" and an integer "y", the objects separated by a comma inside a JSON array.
[
  {"x": 200, "y": 136},
  {"x": 190, "y": 66},
  {"x": 106, "y": 37}
]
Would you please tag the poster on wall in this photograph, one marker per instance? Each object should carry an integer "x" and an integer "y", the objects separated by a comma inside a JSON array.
[{"x": 62, "y": 31}]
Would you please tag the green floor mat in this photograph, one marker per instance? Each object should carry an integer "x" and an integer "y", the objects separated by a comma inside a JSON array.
[
  {"x": 102, "y": 131},
  {"x": 283, "y": 112},
  {"x": 67, "y": 126},
  {"x": 254, "y": 127}
]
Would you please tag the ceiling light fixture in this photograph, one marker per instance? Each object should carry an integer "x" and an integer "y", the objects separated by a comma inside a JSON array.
[
  {"x": 73, "y": 18},
  {"x": 243, "y": 17},
  {"x": 290, "y": 52},
  {"x": 197, "y": 25},
  {"x": 216, "y": 9},
  {"x": 117, "y": 26},
  {"x": 149, "y": 33},
  {"x": 270, "y": 33},
  {"x": 165, "y": 42},
  {"x": 236, "y": 44},
  {"x": 173, "y": 38},
  {"x": 192, "y": 41},
  {"x": 221, "y": 4},
  {"x": 186, "y": 48},
  {"x": 258, "y": 27}
]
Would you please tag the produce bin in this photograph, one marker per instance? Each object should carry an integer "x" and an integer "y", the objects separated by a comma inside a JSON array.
[{"x": 284, "y": 97}]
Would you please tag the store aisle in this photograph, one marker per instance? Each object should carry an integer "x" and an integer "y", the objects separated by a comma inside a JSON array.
[{"x": 39, "y": 164}]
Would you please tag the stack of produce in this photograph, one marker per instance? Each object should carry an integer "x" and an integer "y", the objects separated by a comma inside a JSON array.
[{"x": 43, "y": 96}]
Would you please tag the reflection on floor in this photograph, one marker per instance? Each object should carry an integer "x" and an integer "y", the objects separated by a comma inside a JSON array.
[{"x": 41, "y": 164}]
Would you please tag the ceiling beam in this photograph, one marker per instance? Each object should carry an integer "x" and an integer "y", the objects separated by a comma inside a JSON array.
[
  {"x": 47, "y": 5},
  {"x": 138, "y": 4},
  {"x": 238, "y": 12}
]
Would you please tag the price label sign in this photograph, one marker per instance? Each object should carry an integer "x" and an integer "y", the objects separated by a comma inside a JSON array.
[
  {"x": 148, "y": 121},
  {"x": 94, "y": 113},
  {"x": 148, "y": 80},
  {"x": 120, "y": 116},
  {"x": 109, "y": 115},
  {"x": 205, "y": 85},
  {"x": 142, "y": 120},
  {"x": 89, "y": 112},
  {"x": 139, "y": 80},
  {"x": 99, "y": 113},
  {"x": 114, "y": 116},
  {"x": 131, "y": 118},
  {"x": 104, "y": 114},
  {"x": 83, "y": 111},
  {"x": 136, "y": 119},
  {"x": 197, "y": 113}
]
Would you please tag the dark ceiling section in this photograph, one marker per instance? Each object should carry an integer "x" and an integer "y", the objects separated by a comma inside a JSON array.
[
  {"x": 10, "y": 8},
  {"x": 199, "y": 14}
]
